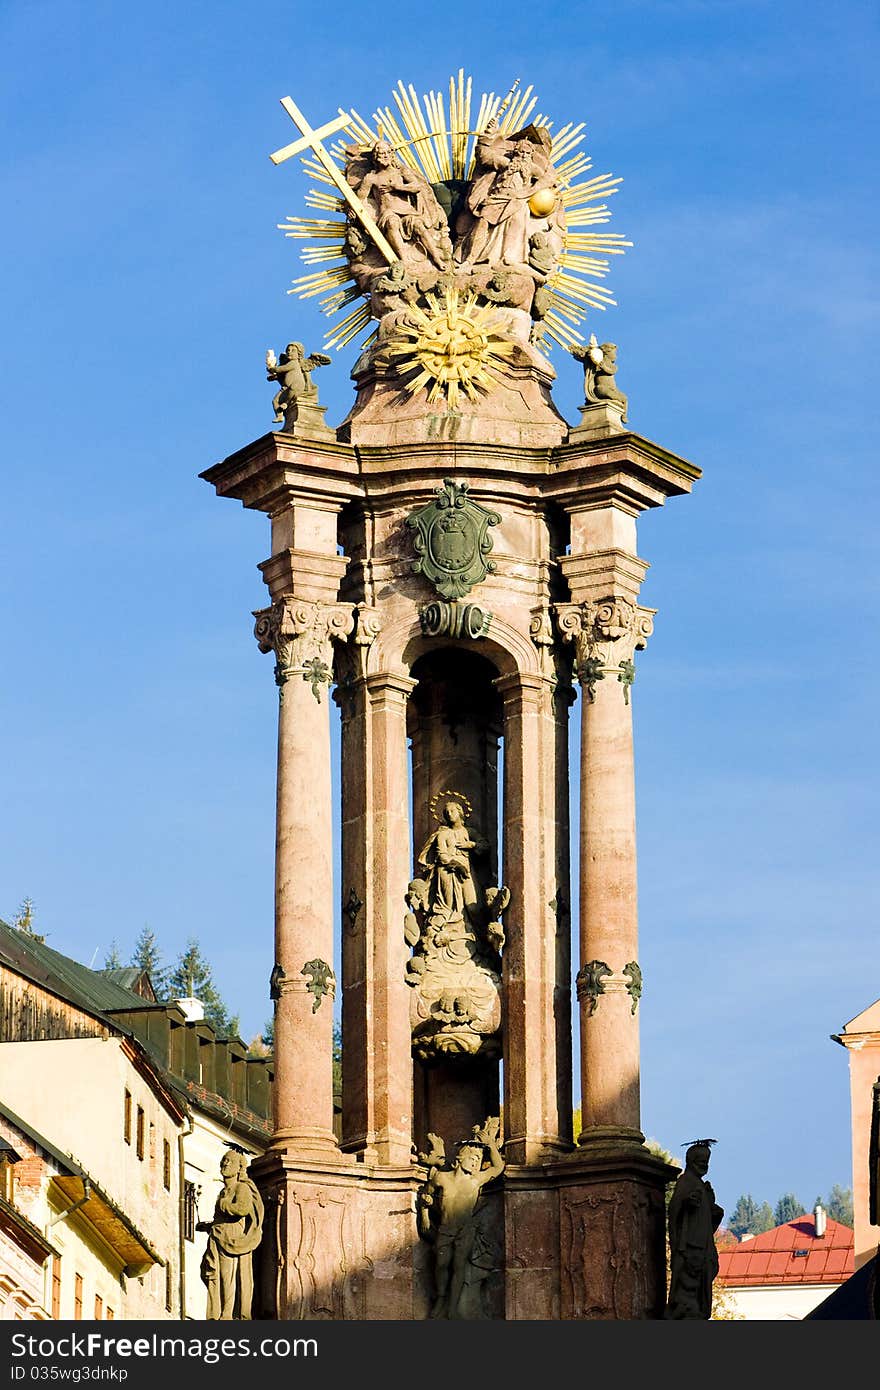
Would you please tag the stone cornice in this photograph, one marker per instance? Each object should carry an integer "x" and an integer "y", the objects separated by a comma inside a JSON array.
[{"x": 623, "y": 470}]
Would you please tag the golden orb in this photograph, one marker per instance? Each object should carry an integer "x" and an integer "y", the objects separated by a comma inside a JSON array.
[{"x": 542, "y": 203}]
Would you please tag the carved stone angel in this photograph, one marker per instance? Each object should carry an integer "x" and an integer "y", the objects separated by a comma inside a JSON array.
[
  {"x": 600, "y": 366},
  {"x": 293, "y": 372}
]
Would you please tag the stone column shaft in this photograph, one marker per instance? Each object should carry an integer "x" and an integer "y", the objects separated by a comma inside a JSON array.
[
  {"x": 303, "y": 982},
  {"x": 609, "y": 979},
  {"x": 377, "y": 1060},
  {"x": 534, "y": 1128}
]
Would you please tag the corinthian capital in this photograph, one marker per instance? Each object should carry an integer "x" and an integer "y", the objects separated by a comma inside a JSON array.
[
  {"x": 301, "y": 636},
  {"x": 606, "y": 634}
]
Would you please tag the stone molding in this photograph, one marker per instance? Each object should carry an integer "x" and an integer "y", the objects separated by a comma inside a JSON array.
[
  {"x": 301, "y": 636},
  {"x": 606, "y": 634}
]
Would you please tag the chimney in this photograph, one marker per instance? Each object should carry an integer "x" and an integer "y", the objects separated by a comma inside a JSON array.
[
  {"x": 819, "y": 1218},
  {"x": 193, "y": 1009}
]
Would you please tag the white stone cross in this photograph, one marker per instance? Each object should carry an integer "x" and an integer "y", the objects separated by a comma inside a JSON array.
[{"x": 311, "y": 140}]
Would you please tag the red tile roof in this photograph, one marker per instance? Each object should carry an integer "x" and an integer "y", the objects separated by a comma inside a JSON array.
[{"x": 775, "y": 1258}]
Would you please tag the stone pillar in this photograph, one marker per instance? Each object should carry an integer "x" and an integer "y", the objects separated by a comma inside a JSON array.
[
  {"x": 303, "y": 982},
  {"x": 376, "y": 1045},
  {"x": 606, "y": 634},
  {"x": 536, "y": 1092}
]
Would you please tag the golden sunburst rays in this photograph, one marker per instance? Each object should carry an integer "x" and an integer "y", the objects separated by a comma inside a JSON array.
[
  {"x": 452, "y": 348},
  {"x": 437, "y": 136}
]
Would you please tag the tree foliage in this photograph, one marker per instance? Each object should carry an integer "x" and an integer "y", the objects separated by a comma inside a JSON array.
[
  {"x": 839, "y": 1205},
  {"x": 112, "y": 959},
  {"x": 192, "y": 976},
  {"x": 788, "y": 1208},
  {"x": 147, "y": 955},
  {"x": 750, "y": 1217}
]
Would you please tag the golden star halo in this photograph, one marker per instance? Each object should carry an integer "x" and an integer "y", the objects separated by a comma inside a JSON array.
[{"x": 454, "y": 346}]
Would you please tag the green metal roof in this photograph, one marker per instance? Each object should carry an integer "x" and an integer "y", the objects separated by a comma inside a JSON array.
[{"x": 93, "y": 990}]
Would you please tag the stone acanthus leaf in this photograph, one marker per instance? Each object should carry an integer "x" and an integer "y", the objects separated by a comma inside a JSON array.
[
  {"x": 605, "y": 634},
  {"x": 301, "y": 635}
]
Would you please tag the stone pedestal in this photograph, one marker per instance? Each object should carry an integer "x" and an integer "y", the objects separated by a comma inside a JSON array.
[{"x": 548, "y": 607}]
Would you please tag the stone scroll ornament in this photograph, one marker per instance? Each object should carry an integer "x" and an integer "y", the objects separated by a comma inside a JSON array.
[
  {"x": 605, "y": 634},
  {"x": 455, "y": 929},
  {"x": 468, "y": 230},
  {"x": 463, "y": 1229},
  {"x": 301, "y": 635}
]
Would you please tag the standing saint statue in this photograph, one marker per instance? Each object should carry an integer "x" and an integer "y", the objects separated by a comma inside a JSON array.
[
  {"x": 449, "y": 1215},
  {"x": 693, "y": 1218},
  {"x": 446, "y": 855},
  {"x": 233, "y": 1235}
]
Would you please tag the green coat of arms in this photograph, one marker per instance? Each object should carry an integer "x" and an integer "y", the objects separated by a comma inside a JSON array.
[{"x": 452, "y": 540}]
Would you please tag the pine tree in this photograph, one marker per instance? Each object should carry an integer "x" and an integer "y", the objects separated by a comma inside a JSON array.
[
  {"x": 839, "y": 1205},
  {"x": 24, "y": 920},
  {"x": 112, "y": 960},
  {"x": 147, "y": 956},
  {"x": 750, "y": 1218},
  {"x": 764, "y": 1220},
  {"x": 193, "y": 976},
  {"x": 788, "y": 1208}
]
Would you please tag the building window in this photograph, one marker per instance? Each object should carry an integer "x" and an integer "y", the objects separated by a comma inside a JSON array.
[
  {"x": 152, "y": 1141},
  {"x": 99, "y": 1307},
  {"x": 78, "y": 1297},
  {"x": 140, "y": 1131},
  {"x": 56, "y": 1287},
  {"x": 126, "y": 1118},
  {"x": 169, "y": 1288},
  {"x": 110, "y": 1314},
  {"x": 190, "y": 1214},
  {"x": 166, "y": 1165}
]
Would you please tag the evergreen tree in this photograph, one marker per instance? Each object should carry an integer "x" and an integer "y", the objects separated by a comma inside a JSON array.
[
  {"x": 839, "y": 1205},
  {"x": 765, "y": 1220},
  {"x": 24, "y": 920},
  {"x": 268, "y": 1036},
  {"x": 192, "y": 976},
  {"x": 788, "y": 1208},
  {"x": 750, "y": 1218},
  {"x": 147, "y": 956},
  {"x": 112, "y": 960}
]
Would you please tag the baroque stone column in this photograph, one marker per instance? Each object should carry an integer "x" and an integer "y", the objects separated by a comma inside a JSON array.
[
  {"x": 606, "y": 634},
  {"x": 537, "y": 1099},
  {"x": 303, "y": 981},
  {"x": 376, "y": 1044}
]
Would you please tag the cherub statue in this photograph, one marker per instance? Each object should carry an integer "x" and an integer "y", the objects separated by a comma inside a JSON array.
[
  {"x": 293, "y": 371},
  {"x": 600, "y": 366}
]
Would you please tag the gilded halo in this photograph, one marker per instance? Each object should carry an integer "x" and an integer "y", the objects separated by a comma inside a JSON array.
[{"x": 442, "y": 798}]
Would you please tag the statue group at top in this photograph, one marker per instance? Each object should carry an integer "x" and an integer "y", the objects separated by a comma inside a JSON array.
[
  {"x": 470, "y": 246},
  {"x": 499, "y": 235}
]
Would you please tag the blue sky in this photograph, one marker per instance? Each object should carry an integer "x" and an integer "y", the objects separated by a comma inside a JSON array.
[{"x": 143, "y": 279}]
